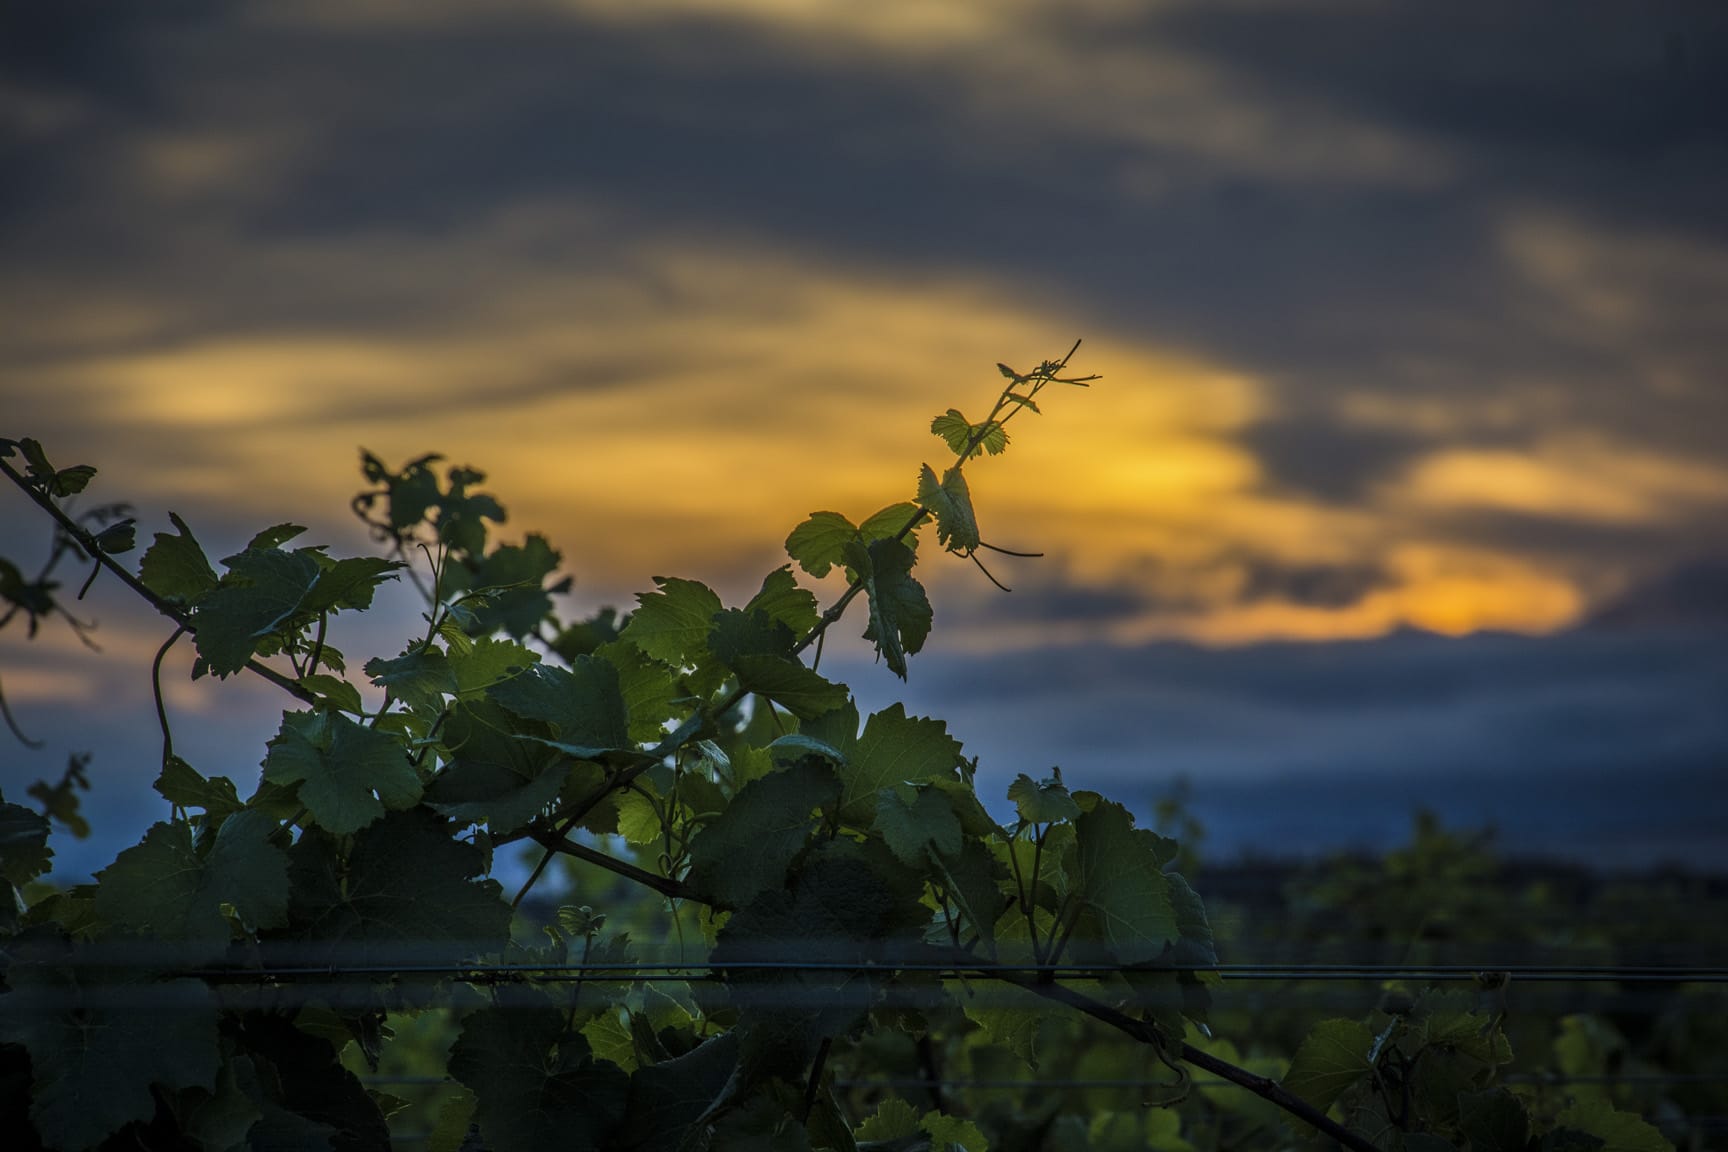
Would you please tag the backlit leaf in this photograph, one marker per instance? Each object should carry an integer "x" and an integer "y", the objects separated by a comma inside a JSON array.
[
  {"x": 347, "y": 774},
  {"x": 1332, "y": 1058},
  {"x": 672, "y": 624}
]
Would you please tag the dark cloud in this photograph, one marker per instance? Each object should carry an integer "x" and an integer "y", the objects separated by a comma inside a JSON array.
[
  {"x": 1312, "y": 585},
  {"x": 1328, "y": 459},
  {"x": 1690, "y": 595}
]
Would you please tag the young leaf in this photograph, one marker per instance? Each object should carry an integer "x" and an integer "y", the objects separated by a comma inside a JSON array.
[
  {"x": 951, "y": 501},
  {"x": 348, "y": 583},
  {"x": 815, "y": 544},
  {"x": 419, "y": 678},
  {"x": 888, "y": 523},
  {"x": 175, "y": 567},
  {"x": 1042, "y": 801},
  {"x": 183, "y": 786},
  {"x": 348, "y": 774}
]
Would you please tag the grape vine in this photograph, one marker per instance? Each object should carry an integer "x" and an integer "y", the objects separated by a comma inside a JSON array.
[{"x": 832, "y": 882}]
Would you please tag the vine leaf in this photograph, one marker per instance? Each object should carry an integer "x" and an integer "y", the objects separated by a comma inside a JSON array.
[
  {"x": 1123, "y": 885},
  {"x": 175, "y": 567},
  {"x": 785, "y": 602},
  {"x": 583, "y": 703},
  {"x": 406, "y": 885},
  {"x": 802, "y": 691},
  {"x": 916, "y": 822},
  {"x": 672, "y": 624},
  {"x": 668, "y": 1099},
  {"x": 893, "y": 749},
  {"x": 492, "y": 778},
  {"x": 894, "y": 1119},
  {"x": 747, "y": 849},
  {"x": 1617, "y": 1131},
  {"x": 24, "y": 851},
  {"x": 816, "y": 544},
  {"x": 161, "y": 886},
  {"x": 1042, "y": 801},
  {"x": 1332, "y": 1058},
  {"x": 950, "y": 1132},
  {"x": 536, "y": 1085},
  {"x": 263, "y": 589},
  {"x": 951, "y": 501},
  {"x": 98, "y": 1045},
  {"x": 647, "y": 686},
  {"x": 958, "y": 432},
  {"x": 347, "y": 774},
  {"x": 900, "y": 613},
  {"x": 419, "y": 678}
]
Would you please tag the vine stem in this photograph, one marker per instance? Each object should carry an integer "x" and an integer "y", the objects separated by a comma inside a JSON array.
[{"x": 88, "y": 543}]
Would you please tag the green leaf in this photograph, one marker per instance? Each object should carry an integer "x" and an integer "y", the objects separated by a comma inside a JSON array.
[
  {"x": 420, "y": 679},
  {"x": 1333, "y": 1057},
  {"x": 493, "y": 778},
  {"x": 1123, "y": 885},
  {"x": 1618, "y": 1131},
  {"x": 348, "y": 774},
  {"x": 951, "y": 501},
  {"x": 673, "y": 623},
  {"x": 71, "y": 481},
  {"x": 669, "y": 1098},
  {"x": 1042, "y": 801},
  {"x": 407, "y": 887},
  {"x": 487, "y": 661},
  {"x": 800, "y": 690},
  {"x": 747, "y": 849},
  {"x": 647, "y": 687},
  {"x": 349, "y": 583},
  {"x": 916, "y": 822},
  {"x": 796, "y": 744},
  {"x": 162, "y": 887},
  {"x": 24, "y": 851},
  {"x": 888, "y": 524},
  {"x": 816, "y": 543},
  {"x": 334, "y": 691},
  {"x": 947, "y": 1132},
  {"x": 900, "y": 614},
  {"x": 894, "y": 1120},
  {"x": 536, "y": 1085},
  {"x": 583, "y": 704},
  {"x": 894, "y": 749},
  {"x": 263, "y": 591},
  {"x": 737, "y": 633},
  {"x": 100, "y": 1040},
  {"x": 271, "y": 538},
  {"x": 972, "y": 881},
  {"x": 785, "y": 602},
  {"x": 1493, "y": 1121},
  {"x": 454, "y": 1117},
  {"x": 957, "y": 432}
]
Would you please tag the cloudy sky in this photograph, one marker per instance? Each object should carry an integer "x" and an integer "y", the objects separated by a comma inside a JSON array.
[{"x": 1407, "y": 480}]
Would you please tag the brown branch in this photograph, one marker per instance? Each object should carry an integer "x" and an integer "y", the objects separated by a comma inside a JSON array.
[
  {"x": 665, "y": 885},
  {"x": 88, "y": 543}
]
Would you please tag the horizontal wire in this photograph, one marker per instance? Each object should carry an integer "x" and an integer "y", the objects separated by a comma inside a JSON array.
[{"x": 717, "y": 970}]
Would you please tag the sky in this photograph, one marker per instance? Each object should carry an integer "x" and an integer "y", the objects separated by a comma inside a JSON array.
[{"x": 1405, "y": 483}]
